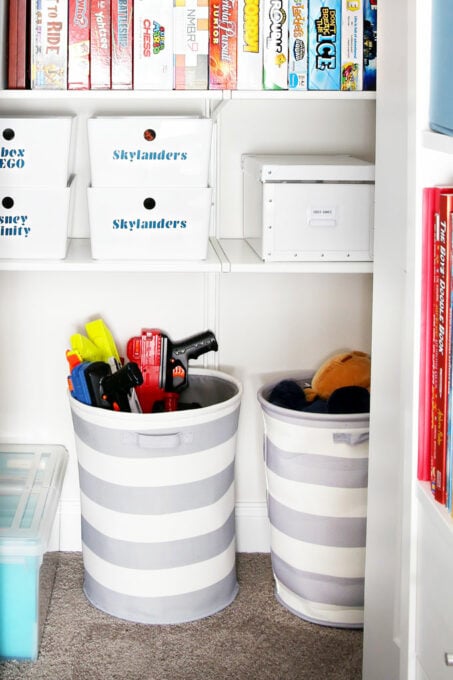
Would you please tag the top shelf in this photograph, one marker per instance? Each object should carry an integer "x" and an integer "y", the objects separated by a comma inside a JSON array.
[{"x": 211, "y": 95}]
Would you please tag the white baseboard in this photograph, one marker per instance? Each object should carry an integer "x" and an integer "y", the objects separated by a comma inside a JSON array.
[{"x": 252, "y": 527}]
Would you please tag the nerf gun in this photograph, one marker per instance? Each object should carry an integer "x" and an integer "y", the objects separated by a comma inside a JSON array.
[
  {"x": 97, "y": 347},
  {"x": 94, "y": 383},
  {"x": 164, "y": 365}
]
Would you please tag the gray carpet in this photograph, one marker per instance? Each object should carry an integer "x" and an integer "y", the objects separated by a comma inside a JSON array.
[{"x": 255, "y": 638}]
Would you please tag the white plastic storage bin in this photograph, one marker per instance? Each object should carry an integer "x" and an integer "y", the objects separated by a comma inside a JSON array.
[
  {"x": 31, "y": 478},
  {"x": 149, "y": 151},
  {"x": 157, "y": 498},
  {"x": 149, "y": 224},
  {"x": 317, "y": 476},
  {"x": 34, "y": 222},
  {"x": 308, "y": 208},
  {"x": 34, "y": 151}
]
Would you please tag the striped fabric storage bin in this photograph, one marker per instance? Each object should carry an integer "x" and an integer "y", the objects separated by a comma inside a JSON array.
[
  {"x": 317, "y": 474},
  {"x": 157, "y": 501}
]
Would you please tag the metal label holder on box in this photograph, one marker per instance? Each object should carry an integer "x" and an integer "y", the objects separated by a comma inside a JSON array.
[{"x": 308, "y": 207}]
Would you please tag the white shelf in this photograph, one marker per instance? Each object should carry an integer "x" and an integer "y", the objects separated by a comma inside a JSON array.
[
  {"x": 437, "y": 141},
  {"x": 242, "y": 258},
  {"x": 431, "y": 506},
  {"x": 224, "y": 255}
]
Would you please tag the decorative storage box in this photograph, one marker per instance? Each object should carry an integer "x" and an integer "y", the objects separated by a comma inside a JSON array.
[
  {"x": 34, "y": 151},
  {"x": 317, "y": 479},
  {"x": 441, "y": 81},
  {"x": 149, "y": 224},
  {"x": 157, "y": 498},
  {"x": 149, "y": 151},
  {"x": 34, "y": 222},
  {"x": 308, "y": 208},
  {"x": 31, "y": 478}
]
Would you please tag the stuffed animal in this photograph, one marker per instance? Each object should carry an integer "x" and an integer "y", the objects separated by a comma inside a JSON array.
[{"x": 340, "y": 385}]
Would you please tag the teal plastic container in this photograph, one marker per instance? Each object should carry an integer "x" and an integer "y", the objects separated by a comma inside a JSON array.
[
  {"x": 441, "y": 94},
  {"x": 31, "y": 478}
]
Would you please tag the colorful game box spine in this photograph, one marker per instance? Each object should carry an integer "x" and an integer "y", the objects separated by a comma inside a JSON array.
[
  {"x": 79, "y": 45},
  {"x": 275, "y": 45},
  {"x": 100, "y": 44},
  {"x": 223, "y": 22},
  {"x": 23, "y": 45},
  {"x": 370, "y": 20},
  {"x": 191, "y": 44},
  {"x": 153, "y": 45},
  {"x": 250, "y": 45},
  {"x": 13, "y": 11},
  {"x": 324, "y": 44},
  {"x": 298, "y": 45},
  {"x": 352, "y": 45},
  {"x": 49, "y": 40},
  {"x": 122, "y": 51}
]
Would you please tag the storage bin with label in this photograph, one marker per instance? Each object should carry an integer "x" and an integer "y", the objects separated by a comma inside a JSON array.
[
  {"x": 441, "y": 69},
  {"x": 157, "y": 499},
  {"x": 158, "y": 223},
  {"x": 317, "y": 476},
  {"x": 34, "y": 221},
  {"x": 31, "y": 478},
  {"x": 137, "y": 151},
  {"x": 308, "y": 207},
  {"x": 34, "y": 151}
]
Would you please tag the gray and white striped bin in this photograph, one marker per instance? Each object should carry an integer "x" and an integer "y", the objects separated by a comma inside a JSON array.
[
  {"x": 157, "y": 502},
  {"x": 317, "y": 475}
]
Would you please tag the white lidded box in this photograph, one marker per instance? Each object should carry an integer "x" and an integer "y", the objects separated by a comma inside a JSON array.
[
  {"x": 142, "y": 150},
  {"x": 34, "y": 222},
  {"x": 34, "y": 151},
  {"x": 31, "y": 478},
  {"x": 158, "y": 223},
  {"x": 308, "y": 207}
]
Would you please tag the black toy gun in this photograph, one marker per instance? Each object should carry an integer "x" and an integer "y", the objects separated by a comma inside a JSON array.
[
  {"x": 94, "y": 383},
  {"x": 164, "y": 365}
]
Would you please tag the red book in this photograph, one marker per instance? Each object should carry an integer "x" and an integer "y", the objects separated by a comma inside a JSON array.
[
  {"x": 100, "y": 44},
  {"x": 12, "y": 44},
  {"x": 443, "y": 342},
  {"x": 122, "y": 44},
  {"x": 223, "y": 24},
  {"x": 79, "y": 45},
  {"x": 23, "y": 42}
]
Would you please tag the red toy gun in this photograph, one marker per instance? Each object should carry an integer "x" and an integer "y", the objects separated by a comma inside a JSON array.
[{"x": 164, "y": 365}]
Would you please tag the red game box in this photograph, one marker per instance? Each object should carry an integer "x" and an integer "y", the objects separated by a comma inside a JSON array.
[
  {"x": 100, "y": 43},
  {"x": 223, "y": 23},
  {"x": 79, "y": 45}
]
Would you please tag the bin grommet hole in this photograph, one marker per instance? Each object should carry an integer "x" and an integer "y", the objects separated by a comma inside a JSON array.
[
  {"x": 149, "y": 135},
  {"x": 8, "y": 134},
  {"x": 7, "y": 202},
  {"x": 149, "y": 203}
]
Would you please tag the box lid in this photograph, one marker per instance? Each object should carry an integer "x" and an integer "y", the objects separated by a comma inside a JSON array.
[
  {"x": 308, "y": 167},
  {"x": 31, "y": 478}
]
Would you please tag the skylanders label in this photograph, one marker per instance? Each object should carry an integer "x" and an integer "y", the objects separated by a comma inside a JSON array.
[
  {"x": 139, "y": 155},
  {"x": 139, "y": 224}
]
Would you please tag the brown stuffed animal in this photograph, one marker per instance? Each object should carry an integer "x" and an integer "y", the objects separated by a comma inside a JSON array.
[{"x": 342, "y": 370}]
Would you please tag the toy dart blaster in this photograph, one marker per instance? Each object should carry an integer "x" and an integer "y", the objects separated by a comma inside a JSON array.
[
  {"x": 164, "y": 365},
  {"x": 94, "y": 383}
]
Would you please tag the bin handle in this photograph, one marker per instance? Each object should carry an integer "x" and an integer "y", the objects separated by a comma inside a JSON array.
[
  {"x": 351, "y": 438},
  {"x": 171, "y": 440}
]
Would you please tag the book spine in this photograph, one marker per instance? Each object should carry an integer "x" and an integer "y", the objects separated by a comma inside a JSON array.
[
  {"x": 443, "y": 343},
  {"x": 352, "y": 45},
  {"x": 23, "y": 47},
  {"x": 275, "y": 45},
  {"x": 191, "y": 44},
  {"x": 49, "y": 26},
  {"x": 79, "y": 45},
  {"x": 250, "y": 45},
  {"x": 13, "y": 11},
  {"x": 298, "y": 45},
  {"x": 370, "y": 27},
  {"x": 100, "y": 45},
  {"x": 122, "y": 51},
  {"x": 426, "y": 338},
  {"x": 223, "y": 19},
  {"x": 324, "y": 44},
  {"x": 153, "y": 45}
]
